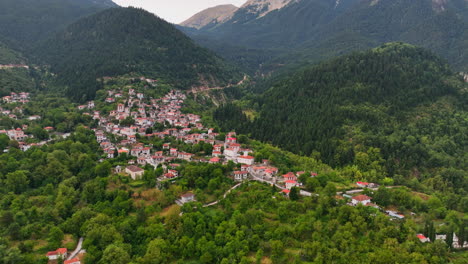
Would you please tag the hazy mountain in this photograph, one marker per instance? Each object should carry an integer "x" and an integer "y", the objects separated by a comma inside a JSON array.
[
  {"x": 26, "y": 21},
  {"x": 211, "y": 16},
  {"x": 128, "y": 40},
  {"x": 306, "y": 31}
]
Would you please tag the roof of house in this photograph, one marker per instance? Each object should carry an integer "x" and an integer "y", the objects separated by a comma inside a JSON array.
[
  {"x": 421, "y": 236},
  {"x": 291, "y": 181},
  {"x": 60, "y": 251},
  {"x": 362, "y": 197},
  {"x": 73, "y": 260},
  {"x": 133, "y": 168},
  {"x": 289, "y": 175},
  {"x": 189, "y": 194}
]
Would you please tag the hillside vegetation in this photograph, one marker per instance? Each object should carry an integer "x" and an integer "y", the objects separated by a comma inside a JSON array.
[
  {"x": 309, "y": 31},
  {"x": 396, "y": 106},
  {"x": 129, "y": 40},
  {"x": 25, "y": 21}
]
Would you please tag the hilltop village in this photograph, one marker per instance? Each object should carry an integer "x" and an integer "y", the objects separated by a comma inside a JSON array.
[
  {"x": 128, "y": 120},
  {"x": 186, "y": 128}
]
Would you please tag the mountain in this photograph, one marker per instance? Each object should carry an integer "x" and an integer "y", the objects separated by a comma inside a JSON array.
[
  {"x": 307, "y": 31},
  {"x": 118, "y": 41},
  {"x": 9, "y": 56},
  {"x": 14, "y": 79},
  {"x": 26, "y": 21},
  {"x": 211, "y": 16},
  {"x": 398, "y": 98}
]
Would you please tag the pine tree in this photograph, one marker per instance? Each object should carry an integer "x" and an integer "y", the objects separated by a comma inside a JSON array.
[{"x": 449, "y": 238}]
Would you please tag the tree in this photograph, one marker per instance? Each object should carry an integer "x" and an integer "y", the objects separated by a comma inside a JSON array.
[
  {"x": 312, "y": 184},
  {"x": 462, "y": 234},
  {"x": 17, "y": 181},
  {"x": 277, "y": 251},
  {"x": 55, "y": 237},
  {"x": 156, "y": 252},
  {"x": 330, "y": 189},
  {"x": 4, "y": 140},
  {"x": 258, "y": 256},
  {"x": 449, "y": 238},
  {"x": 115, "y": 254},
  {"x": 294, "y": 194}
]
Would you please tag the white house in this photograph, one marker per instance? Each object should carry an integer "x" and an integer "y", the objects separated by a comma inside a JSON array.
[
  {"x": 240, "y": 175},
  {"x": 134, "y": 172},
  {"x": 361, "y": 199},
  {"x": 59, "y": 253},
  {"x": 290, "y": 183},
  {"x": 188, "y": 197},
  {"x": 248, "y": 160}
]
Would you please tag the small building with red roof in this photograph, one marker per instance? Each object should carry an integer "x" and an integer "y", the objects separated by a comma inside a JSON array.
[
  {"x": 361, "y": 199},
  {"x": 423, "y": 238},
  {"x": 59, "y": 253}
]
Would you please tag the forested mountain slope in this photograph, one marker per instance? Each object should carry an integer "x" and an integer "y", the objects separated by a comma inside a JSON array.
[
  {"x": 398, "y": 100},
  {"x": 14, "y": 79},
  {"x": 128, "y": 40},
  {"x": 26, "y": 21},
  {"x": 309, "y": 31}
]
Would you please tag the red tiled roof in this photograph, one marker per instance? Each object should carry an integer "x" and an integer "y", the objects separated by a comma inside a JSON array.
[
  {"x": 361, "y": 198},
  {"x": 421, "y": 236},
  {"x": 134, "y": 169},
  {"x": 73, "y": 260}
]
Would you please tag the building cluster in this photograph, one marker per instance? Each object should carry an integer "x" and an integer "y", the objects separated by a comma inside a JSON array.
[
  {"x": 16, "y": 98},
  {"x": 62, "y": 254}
]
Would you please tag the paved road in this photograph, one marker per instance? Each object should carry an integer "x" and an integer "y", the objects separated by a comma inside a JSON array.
[
  {"x": 361, "y": 190},
  {"x": 77, "y": 249},
  {"x": 224, "y": 196}
]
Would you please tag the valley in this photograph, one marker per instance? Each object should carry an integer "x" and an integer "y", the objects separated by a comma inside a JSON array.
[{"x": 280, "y": 131}]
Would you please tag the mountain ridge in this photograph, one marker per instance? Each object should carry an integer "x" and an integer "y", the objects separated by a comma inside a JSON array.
[
  {"x": 306, "y": 27},
  {"x": 128, "y": 40},
  {"x": 26, "y": 21},
  {"x": 213, "y": 15}
]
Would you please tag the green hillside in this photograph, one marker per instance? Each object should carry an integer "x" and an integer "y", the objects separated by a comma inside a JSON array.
[
  {"x": 9, "y": 56},
  {"x": 15, "y": 79},
  {"x": 26, "y": 21},
  {"x": 397, "y": 100},
  {"x": 128, "y": 40}
]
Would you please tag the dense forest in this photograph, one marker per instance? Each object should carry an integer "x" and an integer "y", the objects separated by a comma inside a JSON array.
[
  {"x": 396, "y": 105},
  {"x": 129, "y": 40},
  {"x": 310, "y": 31},
  {"x": 26, "y": 21},
  {"x": 393, "y": 118}
]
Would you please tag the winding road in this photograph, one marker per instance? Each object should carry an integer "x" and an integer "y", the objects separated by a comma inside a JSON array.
[
  {"x": 77, "y": 249},
  {"x": 224, "y": 196}
]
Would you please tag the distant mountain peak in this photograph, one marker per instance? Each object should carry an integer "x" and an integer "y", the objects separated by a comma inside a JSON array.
[
  {"x": 263, "y": 7},
  {"x": 439, "y": 5},
  {"x": 213, "y": 15}
]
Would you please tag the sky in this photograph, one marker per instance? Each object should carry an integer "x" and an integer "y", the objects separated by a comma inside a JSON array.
[{"x": 176, "y": 11}]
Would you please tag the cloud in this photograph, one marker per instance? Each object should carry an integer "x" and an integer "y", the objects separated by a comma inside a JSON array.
[{"x": 176, "y": 11}]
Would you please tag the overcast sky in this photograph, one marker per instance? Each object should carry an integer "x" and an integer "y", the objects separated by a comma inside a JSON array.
[{"x": 176, "y": 11}]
